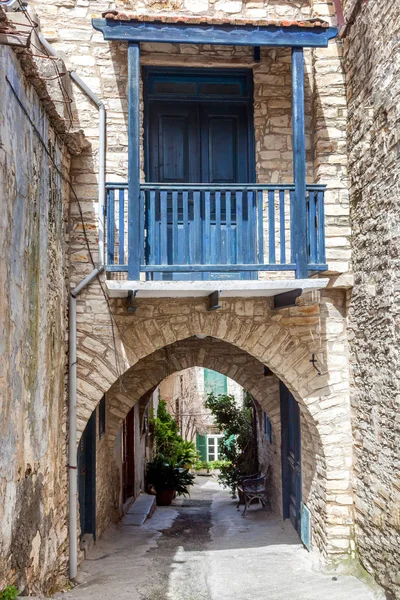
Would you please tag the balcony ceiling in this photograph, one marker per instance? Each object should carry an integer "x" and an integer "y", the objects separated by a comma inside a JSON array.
[{"x": 201, "y": 289}]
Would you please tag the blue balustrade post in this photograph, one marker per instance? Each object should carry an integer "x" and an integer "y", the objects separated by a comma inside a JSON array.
[
  {"x": 299, "y": 213},
  {"x": 134, "y": 197}
]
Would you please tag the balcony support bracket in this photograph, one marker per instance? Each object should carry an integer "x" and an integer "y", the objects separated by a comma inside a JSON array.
[
  {"x": 131, "y": 301},
  {"x": 286, "y": 299},
  {"x": 214, "y": 301}
]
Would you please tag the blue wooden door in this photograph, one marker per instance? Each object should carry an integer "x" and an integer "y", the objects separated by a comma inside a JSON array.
[
  {"x": 291, "y": 457},
  {"x": 87, "y": 478},
  {"x": 193, "y": 141}
]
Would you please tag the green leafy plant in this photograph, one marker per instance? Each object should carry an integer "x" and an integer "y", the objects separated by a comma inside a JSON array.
[
  {"x": 239, "y": 442},
  {"x": 162, "y": 475},
  {"x": 187, "y": 453},
  {"x": 200, "y": 465},
  {"x": 167, "y": 440},
  {"x": 9, "y": 593},
  {"x": 210, "y": 466},
  {"x": 219, "y": 464}
]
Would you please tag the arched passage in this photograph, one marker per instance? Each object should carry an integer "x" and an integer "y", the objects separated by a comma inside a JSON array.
[
  {"x": 234, "y": 363},
  {"x": 245, "y": 335}
]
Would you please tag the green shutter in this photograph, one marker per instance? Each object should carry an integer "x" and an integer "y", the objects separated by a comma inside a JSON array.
[
  {"x": 201, "y": 442},
  {"x": 214, "y": 382}
]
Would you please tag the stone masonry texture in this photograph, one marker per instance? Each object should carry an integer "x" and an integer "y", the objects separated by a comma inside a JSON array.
[
  {"x": 373, "y": 93},
  {"x": 33, "y": 259},
  {"x": 143, "y": 354}
]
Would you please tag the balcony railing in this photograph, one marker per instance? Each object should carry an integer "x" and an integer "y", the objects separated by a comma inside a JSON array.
[{"x": 224, "y": 231}]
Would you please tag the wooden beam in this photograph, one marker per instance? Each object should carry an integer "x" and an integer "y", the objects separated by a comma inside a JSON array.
[
  {"x": 214, "y": 301},
  {"x": 287, "y": 299},
  {"x": 134, "y": 196},
  {"x": 299, "y": 209},
  {"x": 228, "y": 35},
  {"x": 131, "y": 301}
]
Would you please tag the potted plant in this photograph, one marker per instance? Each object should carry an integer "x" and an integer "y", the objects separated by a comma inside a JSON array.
[{"x": 168, "y": 479}]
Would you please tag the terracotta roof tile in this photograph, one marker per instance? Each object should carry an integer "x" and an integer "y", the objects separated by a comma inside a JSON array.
[{"x": 193, "y": 20}]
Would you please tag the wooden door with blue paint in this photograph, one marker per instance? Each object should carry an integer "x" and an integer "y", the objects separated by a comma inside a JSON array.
[
  {"x": 196, "y": 140},
  {"x": 87, "y": 478},
  {"x": 291, "y": 458}
]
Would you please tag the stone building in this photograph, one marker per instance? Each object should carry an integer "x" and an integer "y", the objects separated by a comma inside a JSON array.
[
  {"x": 371, "y": 60},
  {"x": 185, "y": 393},
  {"x": 245, "y": 263}
]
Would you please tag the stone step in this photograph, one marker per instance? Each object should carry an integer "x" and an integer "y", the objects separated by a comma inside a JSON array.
[{"x": 142, "y": 509}]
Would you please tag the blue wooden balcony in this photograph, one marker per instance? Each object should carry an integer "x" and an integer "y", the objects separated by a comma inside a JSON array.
[{"x": 204, "y": 231}]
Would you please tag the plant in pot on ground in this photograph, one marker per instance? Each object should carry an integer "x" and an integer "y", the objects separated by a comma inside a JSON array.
[
  {"x": 168, "y": 472},
  {"x": 168, "y": 479}
]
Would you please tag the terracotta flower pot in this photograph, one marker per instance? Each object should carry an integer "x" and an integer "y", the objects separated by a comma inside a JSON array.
[{"x": 165, "y": 497}]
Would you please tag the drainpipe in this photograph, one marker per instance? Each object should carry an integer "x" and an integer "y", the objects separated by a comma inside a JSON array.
[{"x": 72, "y": 358}]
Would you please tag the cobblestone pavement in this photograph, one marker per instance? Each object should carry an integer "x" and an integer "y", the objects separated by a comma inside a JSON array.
[{"x": 202, "y": 549}]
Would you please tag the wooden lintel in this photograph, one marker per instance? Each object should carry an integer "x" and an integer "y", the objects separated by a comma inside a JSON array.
[
  {"x": 287, "y": 299},
  {"x": 214, "y": 301},
  {"x": 131, "y": 301}
]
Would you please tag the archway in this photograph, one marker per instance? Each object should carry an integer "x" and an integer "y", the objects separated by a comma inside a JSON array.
[{"x": 139, "y": 381}]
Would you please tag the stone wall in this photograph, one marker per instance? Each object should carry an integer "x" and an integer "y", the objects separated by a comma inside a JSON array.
[
  {"x": 373, "y": 90},
  {"x": 33, "y": 300},
  {"x": 269, "y": 450}
]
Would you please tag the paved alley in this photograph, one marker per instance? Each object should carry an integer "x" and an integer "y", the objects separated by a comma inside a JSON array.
[{"x": 202, "y": 549}]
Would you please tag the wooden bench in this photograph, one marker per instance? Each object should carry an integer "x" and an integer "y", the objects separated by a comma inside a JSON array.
[{"x": 254, "y": 487}]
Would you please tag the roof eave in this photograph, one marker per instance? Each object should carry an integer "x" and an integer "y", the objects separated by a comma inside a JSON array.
[{"x": 228, "y": 35}]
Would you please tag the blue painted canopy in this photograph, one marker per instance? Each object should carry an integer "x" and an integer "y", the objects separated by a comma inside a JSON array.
[{"x": 221, "y": 34}]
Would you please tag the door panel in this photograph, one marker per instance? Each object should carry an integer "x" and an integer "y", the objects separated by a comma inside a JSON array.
[
  {"x": 291, "y": 457},
  {"x": 128, "y": 456},
  {"x": 224, "y": 143},
  {"x": 87, "y": 478},
  {"x": 174, "y": 142}
]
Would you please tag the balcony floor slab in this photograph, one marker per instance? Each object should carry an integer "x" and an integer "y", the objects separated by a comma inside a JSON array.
[{"x": 199, "y": 289}]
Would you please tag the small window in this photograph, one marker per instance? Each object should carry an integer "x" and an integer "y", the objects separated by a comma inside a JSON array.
[
  {"x": 214, "y": 447},
  {"x": 220, "y": 89},
  {"x": 102, "y": 417},
  {"x": 175, "y": 87},
  {"x": 267, "y": 427}
]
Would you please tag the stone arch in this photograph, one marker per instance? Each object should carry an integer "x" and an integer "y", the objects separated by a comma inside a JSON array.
[
  {"x": 283, "y": 340},
  {"x": 143, "y": 377},
  {"x": 209, "y": 353}
]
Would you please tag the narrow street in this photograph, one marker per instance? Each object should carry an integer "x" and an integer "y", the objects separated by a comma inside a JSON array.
[{"x": 202, "y": 549}]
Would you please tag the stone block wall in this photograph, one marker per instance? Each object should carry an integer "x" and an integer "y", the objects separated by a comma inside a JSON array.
[
  {"x": 269, "y": 451},
  {"x": 373, "y": 91},
  {"x": 33, "y": 301}
]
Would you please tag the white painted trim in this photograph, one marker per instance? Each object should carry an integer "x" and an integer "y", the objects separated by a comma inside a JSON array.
[
  {"x": 201, "y": 289},
  {"x": 216, "y": 453}
]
